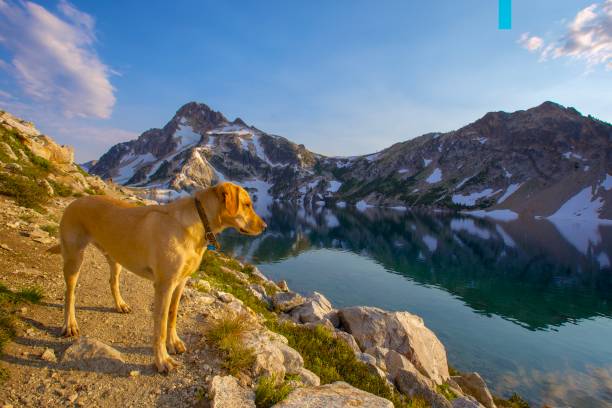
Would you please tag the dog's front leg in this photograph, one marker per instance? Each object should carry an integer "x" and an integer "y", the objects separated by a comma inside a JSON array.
[
  {"x": 175, "y": 344},
  {"x": 163, "y": 296}
]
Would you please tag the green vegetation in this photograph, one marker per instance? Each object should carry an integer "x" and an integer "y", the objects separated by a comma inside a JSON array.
[
  {"x": 328, "y": 357},
  {"x": 9, "y": 300},
  {"x": 61, "y": 189},
  {"x": 23, "y": 183},
  {"x": 446, "y": 392},
  {"x": 226, "y": 336},
  {"x": 515, "y": 401},
  {"x": 52, "y": 229},
  {"x": 269, "y": 392}
]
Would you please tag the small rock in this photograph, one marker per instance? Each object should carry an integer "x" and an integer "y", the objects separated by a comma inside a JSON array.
[
  {"x": 6, "y": 247},
  {"x": 225, "y": 297},
  {"x": 73, "y": 397},
  {"x": 90, "y": 353},
  {"x": 282, "y": 284},
  {"x": 286, "y": 301},
  {"x": 348, "y": 339},
  {"x": 134, "y": 373},
  {"x": 49, "y": 355},
  {"x": 473, "y": 384},
  {"x": 226, "y": 392},
  {"x": 309, "y": 378}
]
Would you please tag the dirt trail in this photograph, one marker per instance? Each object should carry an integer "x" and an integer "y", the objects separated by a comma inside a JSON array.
[{"x": 39, "y": 383}]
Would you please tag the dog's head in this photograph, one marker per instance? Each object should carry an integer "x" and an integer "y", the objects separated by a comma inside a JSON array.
[{"x": 236, "y": 209}]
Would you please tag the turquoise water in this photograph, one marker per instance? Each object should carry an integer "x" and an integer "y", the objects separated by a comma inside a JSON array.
[{"x": 528, "y": 304}]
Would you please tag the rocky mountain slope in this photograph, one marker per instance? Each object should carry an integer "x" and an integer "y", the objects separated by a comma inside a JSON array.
[{"x": 545, "y": 161}]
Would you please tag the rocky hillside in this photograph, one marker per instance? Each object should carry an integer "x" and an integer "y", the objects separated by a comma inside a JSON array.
[
  {"x": 545, "y": 161},
  {"x": 34, "y": 169}
]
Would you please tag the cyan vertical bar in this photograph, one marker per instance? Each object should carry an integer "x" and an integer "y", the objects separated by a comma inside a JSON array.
[{"x": 505, "y": 14}]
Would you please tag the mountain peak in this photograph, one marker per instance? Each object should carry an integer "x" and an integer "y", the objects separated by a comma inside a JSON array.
[{"x": 200, "y": 115}]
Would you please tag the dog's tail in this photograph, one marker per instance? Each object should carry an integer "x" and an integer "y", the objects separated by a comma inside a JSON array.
[{"x": 56, "y": 249}]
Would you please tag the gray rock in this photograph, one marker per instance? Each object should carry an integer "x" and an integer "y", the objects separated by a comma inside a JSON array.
[
  {"x": 400, "y": 331},
  {"x": 379, "y": 353},
  {"x": 314, "y": 308},
  {"x": 473, "y": 384},
  {"x": 395, "y": 361},
  {"x": 366, "y": 358},
  {"x": 309, "y": 378},
  {"x": 412, "y": 383},
  {"x": 286, "y": 301},
  {"x": 92, "y": 354},
  {"x": 335, "y": 395},
  {"x": 226, "y": 392},
  {"x": 466, "y": 402}
]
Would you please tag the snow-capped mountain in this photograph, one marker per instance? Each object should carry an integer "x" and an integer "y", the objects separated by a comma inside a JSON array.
[{"x": 548, "y": 161}]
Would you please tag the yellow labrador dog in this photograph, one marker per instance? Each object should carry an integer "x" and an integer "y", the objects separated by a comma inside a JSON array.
[{"x": 163, "y": 243}]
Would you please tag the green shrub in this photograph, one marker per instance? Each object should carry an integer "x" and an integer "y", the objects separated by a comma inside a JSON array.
[
  {"x": 515, "y": 401},
  {"x": 269, "y": 392},
  {"x": 25, "y": 190},
  {"x": 52, "y": 229},
  {"x": 60, "y": 189}
]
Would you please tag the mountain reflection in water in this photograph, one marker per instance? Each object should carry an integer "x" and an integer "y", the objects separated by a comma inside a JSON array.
[{"x": 550, "y": 283}]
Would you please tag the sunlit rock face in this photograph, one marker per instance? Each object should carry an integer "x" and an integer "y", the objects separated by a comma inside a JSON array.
[{"x": 548, "y": 161}]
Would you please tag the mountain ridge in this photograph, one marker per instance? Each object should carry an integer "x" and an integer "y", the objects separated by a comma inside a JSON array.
[{"x": 531, "y": 161}]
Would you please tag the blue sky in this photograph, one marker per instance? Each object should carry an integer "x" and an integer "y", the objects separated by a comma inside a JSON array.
[{"x": 342, "y": 77}]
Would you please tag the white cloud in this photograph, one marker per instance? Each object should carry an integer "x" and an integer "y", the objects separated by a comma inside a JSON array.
[
  {"x": 53, "y": 58},
  {"x": 532, "y": 44},
  {"x": 588, "y": 38}
]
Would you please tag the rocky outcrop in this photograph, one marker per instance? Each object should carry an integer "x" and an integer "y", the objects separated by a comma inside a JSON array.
[
  {"x": 402, "y": 332},
  {"x": 335, "y": 395},
  {"x": 226, "y": 392}
]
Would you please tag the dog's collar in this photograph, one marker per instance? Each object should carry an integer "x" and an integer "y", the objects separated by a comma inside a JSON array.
[{"x": 211, "y": 240}]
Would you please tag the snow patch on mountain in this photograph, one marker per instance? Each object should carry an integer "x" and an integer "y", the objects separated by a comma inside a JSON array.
[
  {"x": 434, "y": 177},
  {"x": 470, "y": 200}
]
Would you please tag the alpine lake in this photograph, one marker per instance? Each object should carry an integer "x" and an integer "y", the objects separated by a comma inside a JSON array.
[{"x": 527, "y": 303}]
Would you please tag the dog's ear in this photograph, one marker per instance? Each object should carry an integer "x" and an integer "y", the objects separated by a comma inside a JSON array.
[{"x": 228, "y": 195}]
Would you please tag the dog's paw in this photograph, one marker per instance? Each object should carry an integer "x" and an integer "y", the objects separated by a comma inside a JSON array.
[
  {"x": 70, "y": 330},
  {"x": 166, "y": 364},
  {"x": 176, "y": 346},
  {"x": 124, "y": 308}
]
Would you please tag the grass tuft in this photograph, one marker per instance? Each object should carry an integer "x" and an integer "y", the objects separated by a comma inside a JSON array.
[
  {"x": 269, "y": 392},
  {"x": 226, "y": 336}
]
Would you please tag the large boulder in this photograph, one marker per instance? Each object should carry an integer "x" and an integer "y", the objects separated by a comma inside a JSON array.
[
  {"x": 226, "y": 392},
  {"x": 473, "y": 384},
  {"x": 335, "y": 395},
  {"x": 400, "y": 331},
  {"x": 91, "y": 354},
  {"x": 466, "y": 402}
]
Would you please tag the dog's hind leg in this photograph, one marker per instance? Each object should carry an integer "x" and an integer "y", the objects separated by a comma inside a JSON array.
[
  {"x": 115, "y": 271},
  {"x": 174, "y": 344},
  {"x": 73, "y": 258}
]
